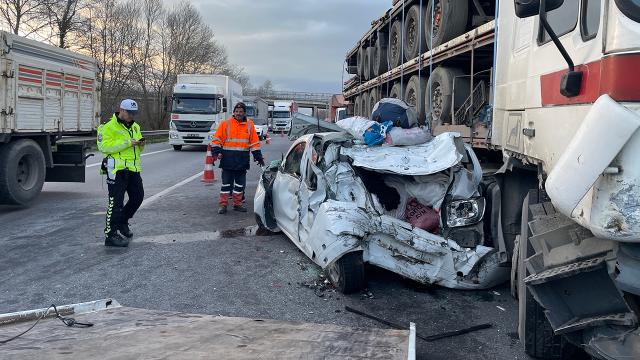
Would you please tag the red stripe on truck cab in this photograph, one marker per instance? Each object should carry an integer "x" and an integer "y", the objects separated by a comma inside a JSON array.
[{"x": 616, "y": 75}]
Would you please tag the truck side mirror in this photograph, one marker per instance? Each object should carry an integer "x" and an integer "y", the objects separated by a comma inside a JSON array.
[
  {"x": 528, "y": 8},
  {"x": 165, "y": 104},
  {"x": 224, "y": 105}
]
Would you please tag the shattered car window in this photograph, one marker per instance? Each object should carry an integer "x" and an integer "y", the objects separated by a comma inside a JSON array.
[{"x": 292, "y": 162}]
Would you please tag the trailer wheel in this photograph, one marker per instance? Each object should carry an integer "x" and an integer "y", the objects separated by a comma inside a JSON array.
[
  {"x": 396, "y": 91},
  {"x": 347, "y": 273},
  {"x": 177, "y": 147},
  {"x": 449, "y": 21},
  {"x": 368, "y": 62},
  {"x": 380, "y": 54},
  {"x": 22, "y": 172},
  {"x": 364, "y": 108},
  {"x": 441, "y": 86},
  {"x": 414, "y": 41},
  {"x": 356, "y": 106},
  {"x": 360, "y": 60},
  {"x": 414, "y": 95},
  {"x": 534, "y": 328},
  {"x": 372, "y": 99},
  {"x": 395, "y": 47}
]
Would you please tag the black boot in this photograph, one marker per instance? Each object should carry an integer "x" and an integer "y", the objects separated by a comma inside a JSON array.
[
  {"x": 222, "y": 209},
  {"x": 239, "y": 208},
  {"x": 125, "y": 231},
  {"x": 114, "y": 239}
]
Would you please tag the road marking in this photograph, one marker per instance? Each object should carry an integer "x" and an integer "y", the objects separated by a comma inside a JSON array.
[
  {"x": 145, "y": 154},
  {"x": 180, "y": 237},
  {"x": 157, "y": 196},
  {"x": 99, "y": 213}
]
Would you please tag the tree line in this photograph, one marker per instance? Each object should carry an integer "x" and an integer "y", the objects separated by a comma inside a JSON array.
[{"x": 140, "y": 45}]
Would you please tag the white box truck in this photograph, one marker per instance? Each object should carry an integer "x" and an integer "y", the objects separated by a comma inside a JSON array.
[
  {"x": 198, "y": 105},
  {"x": 258, "y": 112},
  {"x": 48, "y": 99},
  {"x": 282, "y": 113}
]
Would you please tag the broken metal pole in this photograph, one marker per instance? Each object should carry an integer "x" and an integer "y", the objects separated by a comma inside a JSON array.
[{"x": 425, "y": 338}]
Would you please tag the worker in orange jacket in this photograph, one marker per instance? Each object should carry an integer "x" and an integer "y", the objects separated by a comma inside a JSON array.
[{"x": 231, "y": 144}]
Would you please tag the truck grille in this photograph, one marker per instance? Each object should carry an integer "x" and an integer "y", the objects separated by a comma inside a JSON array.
[{"x": 193, "y": 126}]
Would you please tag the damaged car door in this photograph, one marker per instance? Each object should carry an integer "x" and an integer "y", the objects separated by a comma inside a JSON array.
[{"x": 285, "y": 192}]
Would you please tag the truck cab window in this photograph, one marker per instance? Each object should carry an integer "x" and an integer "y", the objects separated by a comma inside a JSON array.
[
  {"x": 631, "y": 8},
  {"x": 292, "y": 162},
  {"x": 562, "y": 20},
  {"x": 590, "y": 18}
]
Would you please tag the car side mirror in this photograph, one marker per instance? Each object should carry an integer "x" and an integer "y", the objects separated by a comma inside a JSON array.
[{"x": 528, "y": 8}]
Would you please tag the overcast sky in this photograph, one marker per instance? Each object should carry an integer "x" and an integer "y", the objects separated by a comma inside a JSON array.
[{"x": 299, "y": 44}]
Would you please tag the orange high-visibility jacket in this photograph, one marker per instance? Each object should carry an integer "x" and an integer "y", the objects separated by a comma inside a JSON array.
[{"x": 234, "y": 140}]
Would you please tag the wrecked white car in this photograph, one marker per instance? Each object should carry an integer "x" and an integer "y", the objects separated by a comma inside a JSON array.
[{"x": 414, "y": 210}]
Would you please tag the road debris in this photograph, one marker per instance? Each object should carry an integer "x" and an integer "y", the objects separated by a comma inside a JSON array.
[{"x": 425, "y": 338}]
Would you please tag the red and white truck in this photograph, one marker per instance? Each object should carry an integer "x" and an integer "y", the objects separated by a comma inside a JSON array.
[
  {"x": 548, "y": 94},
  {"x": 48, "y": 96}
]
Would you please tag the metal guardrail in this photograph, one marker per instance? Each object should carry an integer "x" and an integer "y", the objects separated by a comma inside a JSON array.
[
  {"x": 292, "y": 95},
  {"x": 77, "y": 139}
]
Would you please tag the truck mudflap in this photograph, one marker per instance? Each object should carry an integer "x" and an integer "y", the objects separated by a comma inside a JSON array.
[
  {"x": 596, "y": 181},
  {"x": 121, "y": 332}
]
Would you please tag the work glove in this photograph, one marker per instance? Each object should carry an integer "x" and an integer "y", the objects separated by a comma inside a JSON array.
[{"x": 260, "y": 161}]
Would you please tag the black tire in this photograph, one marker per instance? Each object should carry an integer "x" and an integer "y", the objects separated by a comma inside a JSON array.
[
  {"x": 441, "y": 86},
  {"x": 22, "y": 172},
  {"x": 177, "y": 147},
  {"x": 535, "y": 331},
  {"x": 368, "y": 62},
  {"x": 450, "y": 20},
  {"x": 357, "y": 103},
  {"x": 380, "y": 64},
  {"x": 364, "y": 109},
  {"x": 414, "y": 41},
  {"x": 360, "y": 60},
  {"x": 396, "y": 91},
  {"x": 414, "y": 95},
  {"x": 347, "y": 273},
  {"x": 395, "y": 46},
  {"x": 372, "y": 99}
]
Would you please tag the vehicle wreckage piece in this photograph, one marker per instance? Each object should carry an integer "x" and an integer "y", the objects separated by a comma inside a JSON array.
[{"x": 323, "y": 205}]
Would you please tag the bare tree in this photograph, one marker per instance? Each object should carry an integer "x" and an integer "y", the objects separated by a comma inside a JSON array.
[
  {"x": 266, "y": 88},
  {"x": 64, "y": 17},
  {"x": 23, "y": 17}
]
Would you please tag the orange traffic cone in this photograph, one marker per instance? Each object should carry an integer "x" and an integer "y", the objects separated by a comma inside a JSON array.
[
  {"x": 208, "y": 177},
  {"x": 267, "y": 140}
]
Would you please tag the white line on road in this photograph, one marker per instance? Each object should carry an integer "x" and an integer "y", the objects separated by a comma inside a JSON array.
[
  {"x": 145, "y": 154},
  {"x": 157, "y": 196}
]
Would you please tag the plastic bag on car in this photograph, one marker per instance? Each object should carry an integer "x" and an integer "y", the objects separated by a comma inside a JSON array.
[
  {"x": 356, "y": 126},
  {"x": 405, "y": 137},
  {"x": 395, "y": 110}
]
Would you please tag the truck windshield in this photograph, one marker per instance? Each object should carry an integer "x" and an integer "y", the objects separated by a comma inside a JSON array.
[
  {"x": 250, "y": 110},
  {"x": 630, "y": 8},
  {"x": 189, "y": 105},
  {"x": 281, "y": 114}
]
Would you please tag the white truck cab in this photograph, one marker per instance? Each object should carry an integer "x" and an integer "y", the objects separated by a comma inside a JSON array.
[
  {"x": 282, "y": 113},
  {"x": 199, "y": 104}
]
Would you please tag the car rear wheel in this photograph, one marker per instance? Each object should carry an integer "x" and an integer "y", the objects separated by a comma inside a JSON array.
[{"x": 347, "y": 273}]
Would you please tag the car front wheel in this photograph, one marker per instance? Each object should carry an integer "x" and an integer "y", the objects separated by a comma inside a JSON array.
[{"x": 347, "y": 273}]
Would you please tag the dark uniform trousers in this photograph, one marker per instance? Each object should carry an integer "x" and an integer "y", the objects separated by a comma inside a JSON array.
[{"x": 131, "y": 183}]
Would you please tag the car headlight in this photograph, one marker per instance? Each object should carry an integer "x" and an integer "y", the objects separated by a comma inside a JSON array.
[
  {"x": 172, "y": 126},
  {"x": 464, "y": 212}
]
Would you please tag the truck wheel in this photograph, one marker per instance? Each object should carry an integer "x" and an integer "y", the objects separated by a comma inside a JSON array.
[
  {"x": 414, "y": 41},
  {"x": 395, "y": 47},
  {"x": 449, "y": 21},
  {"x": 441, "y": 86},
  {"x": 368, "y": 63},
  {"x": 356, "y": 106},
  {"x": 360, "y": 60},
  {"x": 347, "y": 273},
  {"x": 380, "y": 54},
  {"x": 22, "y": 172},
  {"x": 415, "y": 94},
  {"x": 177, "y": 147},
  {"x": 396, "y": 91},
  {"x": 534, "y": 329},
  {"x": 366, "y": 112},
  {"x": 372, "y": 99}
]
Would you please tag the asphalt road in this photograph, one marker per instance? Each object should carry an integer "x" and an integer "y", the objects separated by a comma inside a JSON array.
[{"x": 186, "y": 257}]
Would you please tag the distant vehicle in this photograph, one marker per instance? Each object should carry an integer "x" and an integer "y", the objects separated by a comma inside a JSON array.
[
  {"x": 282, "y": 113},
  {"x": 198, "y": 105},
  {"x": 257, "y": 111},
  {"x": 48, "y": 97},
  {"x": 341, "y": 113}
]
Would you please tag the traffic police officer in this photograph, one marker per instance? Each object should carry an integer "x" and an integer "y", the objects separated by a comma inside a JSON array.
[
  {"x": 232, "y": 142},
  {"x": 121, "y": 142}
]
